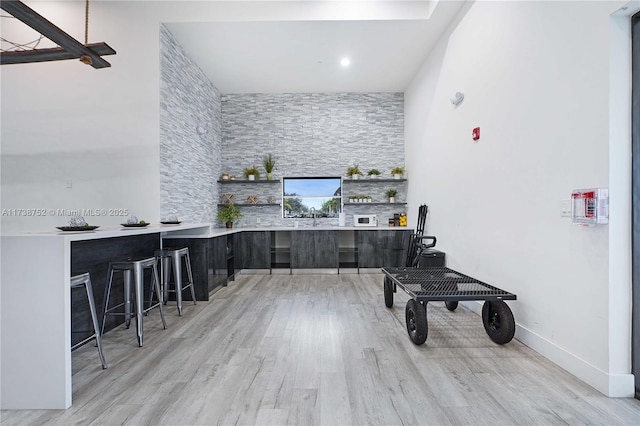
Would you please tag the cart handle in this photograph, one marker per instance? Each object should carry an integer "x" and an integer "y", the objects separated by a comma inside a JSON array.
[{"x": 426, "y": 237}]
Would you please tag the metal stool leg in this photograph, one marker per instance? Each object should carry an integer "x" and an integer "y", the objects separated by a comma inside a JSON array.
[
  {"x": 190, "y": 276},
  {"x": 127, "y": 296},
  {"x": 94, "y": 317},
  {"x": 138, "y": 279},
  {"x": 157, "y": 286},
  {"x": 152, "y": 289},
  {"x": 106, "y": 298},
  {"x": 165, "y": 273},
  {"x": 177, "y": 278}
]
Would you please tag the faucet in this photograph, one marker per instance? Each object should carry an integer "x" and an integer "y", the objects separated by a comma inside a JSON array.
[{"x": 312, "y": 211}]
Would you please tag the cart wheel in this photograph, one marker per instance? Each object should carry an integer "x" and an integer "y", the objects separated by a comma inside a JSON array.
[
  {"x": 416, "y": 318},
  {"x": 498, "y": 321},
  {"x": 452, "y": 305},
  {"x": 388, "y": 292}
]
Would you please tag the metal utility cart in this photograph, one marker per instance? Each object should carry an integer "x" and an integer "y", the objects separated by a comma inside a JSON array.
[{"x": 425, "y": 285}]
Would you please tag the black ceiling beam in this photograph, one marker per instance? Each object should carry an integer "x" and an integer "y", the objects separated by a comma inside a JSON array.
[
  {"x": 51, "y": 54},
  {"x": 73, "y": 47}
]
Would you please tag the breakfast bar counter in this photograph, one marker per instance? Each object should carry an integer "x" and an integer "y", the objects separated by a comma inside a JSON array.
[{"x": 35, "y": 316}]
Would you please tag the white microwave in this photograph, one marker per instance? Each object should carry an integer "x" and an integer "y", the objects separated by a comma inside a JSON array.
[{"x": 365, "y": 220}]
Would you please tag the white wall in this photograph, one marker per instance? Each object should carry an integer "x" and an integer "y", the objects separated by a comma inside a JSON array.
[
  {"x": 100, "y": 128},
  {"x": 536, "y": 81},
  {"x": 97, "y": 127}
]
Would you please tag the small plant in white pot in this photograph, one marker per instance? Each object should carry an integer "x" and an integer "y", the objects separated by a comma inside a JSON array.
[
  {"x": 252, "y": 173},
  {"x": 397, "y": 172},
  {"x": 354, "y": 172},
  {"x": 391, "y": 193},
  {"x": 373, "y": 173},
  {"x": 269, "y": 164}
]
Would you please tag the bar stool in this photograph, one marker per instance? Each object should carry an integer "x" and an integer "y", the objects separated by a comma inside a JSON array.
[
  {"x": 84, "y": 280},
  {"x": 133, "y": 268},
  {"x": 172, "y": 257}
]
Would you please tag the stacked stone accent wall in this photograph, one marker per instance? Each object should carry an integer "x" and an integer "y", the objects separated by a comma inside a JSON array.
[{"x": 190, "y": 136}]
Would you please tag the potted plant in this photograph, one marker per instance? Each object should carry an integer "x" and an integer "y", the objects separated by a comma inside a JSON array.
[
  {"x": 391, "y": 193},
  {"x": 354, "y": 171},
  {"x": 269, "y": 164},
  {"x": 252, "y": 173},
  {"x": 373, "y": 173},
  {"x": 397, "y": 172},
  {"x": 228, "y": 214}
]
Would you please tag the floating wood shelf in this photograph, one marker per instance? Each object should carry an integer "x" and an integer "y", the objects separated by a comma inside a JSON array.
[
  {"x": 249, "y": 181},
  {"x": 377, "y": 180}
]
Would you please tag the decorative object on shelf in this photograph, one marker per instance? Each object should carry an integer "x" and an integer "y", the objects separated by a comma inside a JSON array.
[
  {"x": 133, "y": 222},
  {"x": 252, "y": 199},
  {"x": 228, "y": 214},
  {"x": 78, "y": 228},
  {"x": 228, "y": 198},
  {"x": 140, "y": 224},
  {"x": 79, "y": 221},
  {"x": 373, "y": 173},
  {"x": 252, "y": 173},
  {"x": 232, "y": 177},
  {"x": 271, "y": 200},
  {"x": 397, "y": 172},
  {"x": 391, "y": 193},
  {"x": 171, "y": 220},
  {"x": 354, "y": 172},
  {"x": 224, "y": 176},
  {"x": 269, "y": 164}
]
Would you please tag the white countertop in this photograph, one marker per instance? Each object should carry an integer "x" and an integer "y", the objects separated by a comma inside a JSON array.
[
  {"x": 187, "y": 230},
  {"x": 120, "y": 231}
]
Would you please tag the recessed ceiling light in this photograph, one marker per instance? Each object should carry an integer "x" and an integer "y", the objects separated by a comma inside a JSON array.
[{"x": 345, "y": 62}]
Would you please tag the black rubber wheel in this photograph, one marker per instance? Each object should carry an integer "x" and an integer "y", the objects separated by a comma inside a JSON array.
[
  {"x": 388, "y": 292},
  {"x": 451, "y": 305},
  {"x": 416, "y": 319},
  {"x": 498, "y": 321}
]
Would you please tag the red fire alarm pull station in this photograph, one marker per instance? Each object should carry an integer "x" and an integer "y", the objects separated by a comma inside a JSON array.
[
  {"x": 590, "y": 206},
  {"x": 476, "y": 134}
]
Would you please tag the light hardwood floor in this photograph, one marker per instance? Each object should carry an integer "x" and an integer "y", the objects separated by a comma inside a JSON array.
[{"x": 319, "y": 349}]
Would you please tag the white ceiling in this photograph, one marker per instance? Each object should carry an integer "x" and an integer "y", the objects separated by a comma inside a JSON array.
[{"x": 304, "y": 56}]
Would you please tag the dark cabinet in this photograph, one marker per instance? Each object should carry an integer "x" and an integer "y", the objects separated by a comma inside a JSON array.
[
  {"x": 208, "y": 263},
  {"x": 386, "y": 248},
  {"x": 217, "y": 262},
  {"x": 199, "y": 255},
  {"x": 230, "y": 256},
  {"x": 369, "y": 255},
  {"x": 314, "y": 249},
  {"x": 252, "y": 250}
]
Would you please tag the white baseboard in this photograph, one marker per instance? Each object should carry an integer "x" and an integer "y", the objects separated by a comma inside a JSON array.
[{"x": 611, "y": 385}]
